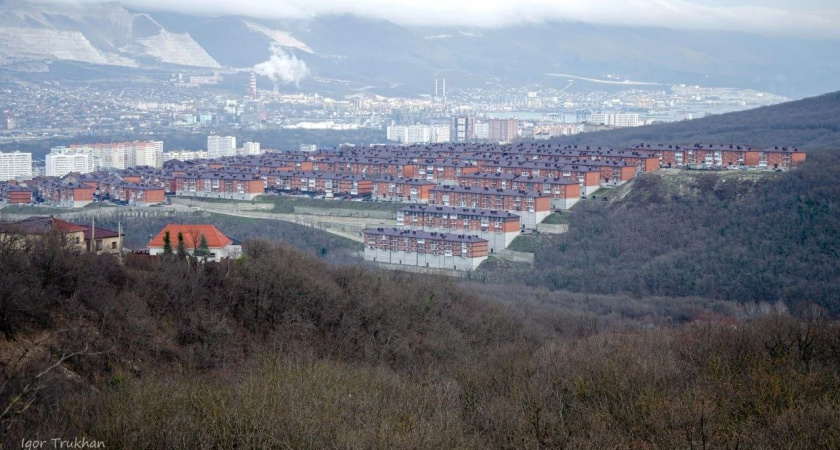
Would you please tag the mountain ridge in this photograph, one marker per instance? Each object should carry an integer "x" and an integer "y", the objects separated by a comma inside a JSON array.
[{"x": 382, "y": 54}]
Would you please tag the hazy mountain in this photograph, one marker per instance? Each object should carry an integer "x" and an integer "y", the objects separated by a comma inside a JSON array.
[
  {"x": 391, "y": 59},
  {"x": 106, "y": 34},
  {"x": 810, "y": 124}
]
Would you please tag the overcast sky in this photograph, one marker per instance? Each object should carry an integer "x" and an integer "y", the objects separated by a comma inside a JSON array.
[{"x": 813, "y": 18}]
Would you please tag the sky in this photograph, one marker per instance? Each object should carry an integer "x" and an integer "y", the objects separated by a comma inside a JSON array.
[{"x": 801, "y": 18}]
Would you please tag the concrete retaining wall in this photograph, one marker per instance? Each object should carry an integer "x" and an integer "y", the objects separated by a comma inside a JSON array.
[
  {"x": 343, "y": 212},
  {"x": 423, "y": 259},
  {"x": 521, "y": 257},
  {"x": 553, "y": 228}
]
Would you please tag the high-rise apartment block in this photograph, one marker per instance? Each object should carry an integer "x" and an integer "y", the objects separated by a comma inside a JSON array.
[
  {"x": 463, "y": 129},
  {"x": 615, "y": 119},
  {"x": 418, "y": 134},
  {"x": 219, "y": 146},
  {"x": 14, "y": 165},
  {"x": 251, "y": 148},
  {"x": 60, "y": 164},
  {"x": 503, "y": 130}
]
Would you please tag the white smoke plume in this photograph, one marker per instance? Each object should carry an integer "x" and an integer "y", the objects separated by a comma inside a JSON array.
[{"x": 283, "y": 67}]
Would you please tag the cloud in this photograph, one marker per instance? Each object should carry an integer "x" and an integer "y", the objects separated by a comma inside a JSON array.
[
  {"x": 283, "y": 67},
  {"x": 813, "y": 18}
]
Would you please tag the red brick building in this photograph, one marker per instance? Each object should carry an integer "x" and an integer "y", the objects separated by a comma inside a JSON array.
[
  {"x": 425, "y": 249},
  {"x": 532, "y": 206},
  {"x": 499, "y": 228},
  {"x": 409, "y": 190}
]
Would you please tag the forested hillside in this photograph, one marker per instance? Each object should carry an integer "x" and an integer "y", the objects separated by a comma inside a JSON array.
[
  {"x": 812, "y": 123},
  {"x": 771, "y": 238},
  {"x": 280, "y": 350}
]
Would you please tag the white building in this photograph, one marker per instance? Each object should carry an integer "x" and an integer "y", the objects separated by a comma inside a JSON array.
[
  {"x": 14, "y": 165},
  {"x": 184, "y": 155},
  {"x": 251, "y": 148},
  {"x": 146, "y": 153},
  {"x": 440, "y": 134},
  {"x": 418, "y": 134},
  {"x": 60, "y": 164},
  {"x": 615, "y": 119},
  {"x": 219, "y": 146},
  {"x": 482, "y": 130}
]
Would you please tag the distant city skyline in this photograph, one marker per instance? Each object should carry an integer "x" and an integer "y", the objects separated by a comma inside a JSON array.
[{"x": 807, "y": 18}]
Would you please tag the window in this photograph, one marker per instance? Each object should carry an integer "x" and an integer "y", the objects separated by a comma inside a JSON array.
[{"x": 113, "y": 245}]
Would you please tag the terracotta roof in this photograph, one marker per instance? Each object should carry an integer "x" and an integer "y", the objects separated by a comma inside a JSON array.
[
  {"x": 215, "y": 238},
  {"x": 101, "y": 233},
  {"x": 38, "y": 225}
]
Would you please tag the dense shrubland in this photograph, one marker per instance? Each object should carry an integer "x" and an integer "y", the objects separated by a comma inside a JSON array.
[
  {"x": 775, "y": 239},
  {"x": 280, "y": 349}
]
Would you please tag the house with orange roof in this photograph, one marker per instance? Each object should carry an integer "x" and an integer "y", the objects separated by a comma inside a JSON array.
[{"x": 219, "y": 245}]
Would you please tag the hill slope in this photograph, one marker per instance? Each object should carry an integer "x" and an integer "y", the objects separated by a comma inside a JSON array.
[{"x": 811, "y": 124}]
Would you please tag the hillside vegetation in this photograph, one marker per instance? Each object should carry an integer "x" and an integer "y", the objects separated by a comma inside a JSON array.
[
  {"x": 810, "y": 124},
  {"x": 279, "y": 349},
  {"x": 733, "y": 237}
]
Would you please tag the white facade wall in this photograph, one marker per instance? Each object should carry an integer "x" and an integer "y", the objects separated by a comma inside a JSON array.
[
  {"x": 251, "y": 148},
  {"x": 615, "y": 119},
  {"x": 482, "y": 130},
  {"x": 423, "y": 259},
  {"x": 15, "y": 164},
  {"x": 496, "y": 242},
  {"x": 59, "y": 165},
  {"x": 185, "y": 155},
  {"x": 216, "y": 254},
  {"x": 417, "y": 134},
  {"x": 219, "y": 146},
  {"x": 563, "y": 203},
  {"x": 114, "y": 157},
  {"x": 440, "y": 134},
  {"x": 147, "y": 154}
]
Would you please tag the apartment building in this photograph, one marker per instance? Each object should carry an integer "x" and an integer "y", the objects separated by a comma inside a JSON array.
[
  {"x": 60, "y": 164},
  {"x": 65, "y": 194},
  {"x": 564, "y": 192},
  {"x": 615, "y": 119},
  {"x": 251, "y": 148},
  {"x": 503, "y": 130},
  {"x": 219, "y": 184},
  {"x": 327, "y": 183},
  {"x": 499, "y": 228},
  {"x": 14, "y": 194},
  {"x": 532, "y": 206},
  {"x": 184, "y": 155},
  {"x": 221, "y": 146},
  {"x": 396, "y": 189},
  {"x": 134, "y": 194},
  {"x": 15, "y": 165},
  {"x": 433, "y": 250}
]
